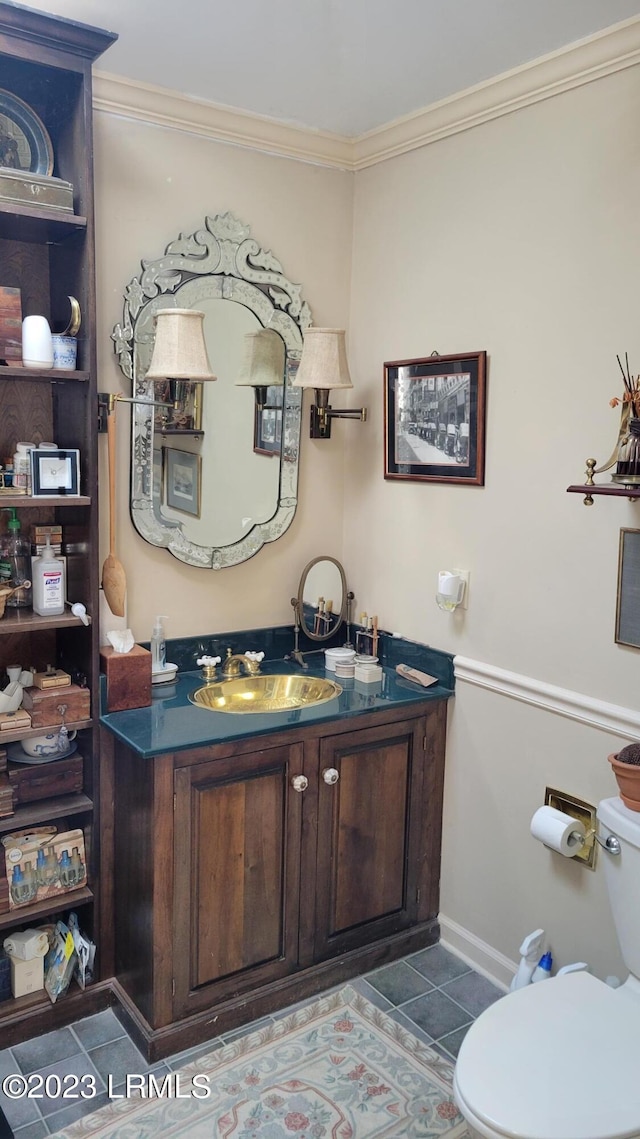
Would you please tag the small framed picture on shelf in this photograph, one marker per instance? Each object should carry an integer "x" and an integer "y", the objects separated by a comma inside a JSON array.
[
  {"x": 55, "y": 473},
  {"x": 183, "y": 481},
  {"x": 435, "y": 419},
  {"x": 10, "y": 325}
]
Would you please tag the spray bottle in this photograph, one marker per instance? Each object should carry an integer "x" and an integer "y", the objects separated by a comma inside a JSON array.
[
  {"x": 15, "y": 562},
  {"x": 542, "y": 971},
  {"x": 530, "y": 950}
]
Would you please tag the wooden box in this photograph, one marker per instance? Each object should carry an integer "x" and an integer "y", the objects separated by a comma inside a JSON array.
[
  {"x": 6, "y": 797},
  {"x": 4, "y": 893},
  {"x": 128, "y": 678},
  {"x": 33, "y": 781},
  {"x": 43, "y": 705}
]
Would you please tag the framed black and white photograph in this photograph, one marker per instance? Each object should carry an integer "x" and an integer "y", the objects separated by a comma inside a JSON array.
[
  {"x": 267, "y": 436},
  {"x": 183, "y": 481},
  {"x": 628, "y": 599},
  {"x": 435, "y": 419},
  {"x": 55, "y": 473}
]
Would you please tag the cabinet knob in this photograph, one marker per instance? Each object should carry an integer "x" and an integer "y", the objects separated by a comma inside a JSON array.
[
  {"x": 299, "y": 783},
  {"x": 330, "y": 775}
]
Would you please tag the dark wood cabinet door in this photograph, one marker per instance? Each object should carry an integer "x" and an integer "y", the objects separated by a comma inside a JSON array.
[
  {"x": 237, "y": 871},
  {"x": 369, "y": 833}
]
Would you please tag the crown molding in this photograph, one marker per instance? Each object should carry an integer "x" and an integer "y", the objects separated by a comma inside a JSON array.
[
  {"x": 128, "y": 99},
  {"x": 611, "y": 718},
  {"x": 594, "y": 57}
]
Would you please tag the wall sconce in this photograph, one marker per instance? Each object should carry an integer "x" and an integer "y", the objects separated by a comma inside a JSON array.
[
  {"x": 179, "y": 352},
  {"x": 263, "y": 363},
  {"x": 323, "y": 366}
]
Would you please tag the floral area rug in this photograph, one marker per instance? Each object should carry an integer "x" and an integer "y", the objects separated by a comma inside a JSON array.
[{"x": 335, "y": 1069}]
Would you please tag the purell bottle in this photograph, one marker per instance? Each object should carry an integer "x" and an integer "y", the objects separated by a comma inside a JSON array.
[{"x": 48, "y": 583}]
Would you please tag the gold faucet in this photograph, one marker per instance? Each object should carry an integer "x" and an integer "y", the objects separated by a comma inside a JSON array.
[{"x": 235, "y": 662}]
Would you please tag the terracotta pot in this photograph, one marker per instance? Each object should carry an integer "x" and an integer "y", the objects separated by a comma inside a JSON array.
[{"x": 628, "y": 778}]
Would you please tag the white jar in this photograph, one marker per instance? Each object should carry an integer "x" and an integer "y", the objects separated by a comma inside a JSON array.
[
  {"x": 37, "y": 345},
  {"x": 22, "y": 468}
]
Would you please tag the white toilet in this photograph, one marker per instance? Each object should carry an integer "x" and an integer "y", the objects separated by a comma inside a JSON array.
[{"x": 561, "y": 1059}]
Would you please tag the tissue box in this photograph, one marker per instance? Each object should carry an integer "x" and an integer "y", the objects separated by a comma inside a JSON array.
[{"x": 128, "y": 678}]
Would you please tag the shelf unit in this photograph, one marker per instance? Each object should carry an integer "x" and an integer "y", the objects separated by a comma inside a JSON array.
[{"x": 49, "y": 256}]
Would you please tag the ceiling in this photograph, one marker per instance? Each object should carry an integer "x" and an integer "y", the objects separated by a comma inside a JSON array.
[{"x": 342, "y": 66}]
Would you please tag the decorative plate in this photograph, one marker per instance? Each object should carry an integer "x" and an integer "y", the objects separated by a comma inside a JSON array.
[{"x": 24, "y": 142}]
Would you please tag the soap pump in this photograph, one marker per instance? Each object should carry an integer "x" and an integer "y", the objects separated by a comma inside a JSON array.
[
  {"x": 158, "y": 646},
  {"x": 15, "y": 562},
  {"x": 530, "y": 955}
]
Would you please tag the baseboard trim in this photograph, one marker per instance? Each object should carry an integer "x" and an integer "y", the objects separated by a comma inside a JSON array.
[
  {"x": 611, "y": 718},
  {"x": 477, "y": 953}
]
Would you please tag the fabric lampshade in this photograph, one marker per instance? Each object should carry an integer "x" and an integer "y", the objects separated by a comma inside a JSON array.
[
  {"x": 323, "y": 363},
  {"x": 263, "y": 362},
  {"x": 179, "y": 350}
]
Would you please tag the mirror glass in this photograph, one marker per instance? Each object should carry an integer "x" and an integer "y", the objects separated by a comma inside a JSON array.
[
  {"x": 322, "y": 598},
  {"x": 217, "y": 480}
]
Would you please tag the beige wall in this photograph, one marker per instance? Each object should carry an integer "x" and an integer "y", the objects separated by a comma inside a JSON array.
[
  {"x": 519, "y": 237},
  {"x": 152, "y": 184}
]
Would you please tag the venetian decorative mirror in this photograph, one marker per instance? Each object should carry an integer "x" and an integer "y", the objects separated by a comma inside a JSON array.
[
  {"x": 215, "y": 483},
  {"x": 322, "y": 600}
]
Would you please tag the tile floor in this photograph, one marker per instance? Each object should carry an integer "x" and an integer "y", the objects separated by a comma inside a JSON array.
[{"x": 432, "y": 993}]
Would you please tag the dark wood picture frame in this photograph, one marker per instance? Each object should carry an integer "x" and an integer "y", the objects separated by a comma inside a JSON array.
[
  {"x": 183, "y": 478},
  {"x": 628, "y": 592},
  {"x": 434, "y": 412}
]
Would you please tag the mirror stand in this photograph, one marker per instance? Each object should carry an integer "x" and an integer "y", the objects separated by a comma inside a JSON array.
[{"x": 296, "y": 655}]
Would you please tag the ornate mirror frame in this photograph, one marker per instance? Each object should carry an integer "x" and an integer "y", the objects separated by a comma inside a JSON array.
[
  {"x": 339, "y": 614},
  {"x": 220, "y": 261}
]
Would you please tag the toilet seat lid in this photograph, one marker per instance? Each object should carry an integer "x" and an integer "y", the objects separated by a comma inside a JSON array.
[{"x": 556, "y": 1060}]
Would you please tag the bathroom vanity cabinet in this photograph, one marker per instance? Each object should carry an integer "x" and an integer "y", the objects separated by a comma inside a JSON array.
[
  {"x": 47, "y": 253},
  {"x": 249, "y": 875}
]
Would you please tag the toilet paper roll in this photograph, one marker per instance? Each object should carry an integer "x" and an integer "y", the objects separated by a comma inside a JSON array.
[{"x": 558, "y": 831}]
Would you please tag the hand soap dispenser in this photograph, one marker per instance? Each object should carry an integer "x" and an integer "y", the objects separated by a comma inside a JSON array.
[
  {"x": 15, "y": 562},
  {"x": 48, "y": 583},
  {"x": 158, "y": 646}
]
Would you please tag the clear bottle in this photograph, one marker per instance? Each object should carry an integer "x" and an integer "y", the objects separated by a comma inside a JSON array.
[
  {"x": 49, "y": 588},
  {"x": 15, "y": 562},
  {"x": 158, "y": 646}
]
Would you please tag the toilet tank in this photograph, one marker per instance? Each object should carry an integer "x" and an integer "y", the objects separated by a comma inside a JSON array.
[{"x": 622, "y": 875}]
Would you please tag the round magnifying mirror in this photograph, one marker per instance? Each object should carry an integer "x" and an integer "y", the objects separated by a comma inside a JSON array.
[{"x": 322, "y": 598}]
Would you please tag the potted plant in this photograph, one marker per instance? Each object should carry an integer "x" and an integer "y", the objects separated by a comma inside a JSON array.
[{"x": 626, "y": 768}]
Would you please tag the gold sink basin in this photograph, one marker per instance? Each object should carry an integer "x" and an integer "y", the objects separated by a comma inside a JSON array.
[{"x": 264, "y": 693}]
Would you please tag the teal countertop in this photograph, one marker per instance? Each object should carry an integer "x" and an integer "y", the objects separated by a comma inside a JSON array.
[{"x": 173, "y": 724}]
